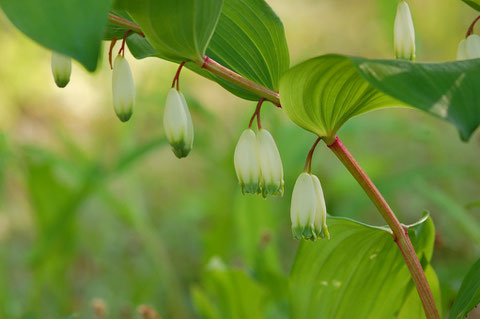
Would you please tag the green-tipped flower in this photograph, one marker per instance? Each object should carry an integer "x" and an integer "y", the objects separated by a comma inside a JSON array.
[
  {"x": 61, "y": 69},
  {"x": 178, "y": 124},
  {"x": 270, "y": 165},
  {"x": 320, "y": 224},
  {"x": 469, "y": 48},
  {"x": 123, "y": 89},
  {"x": 247, "y": 163},
  {"x": 307, "y": 211},
  {"x": 404, "y": 33}
]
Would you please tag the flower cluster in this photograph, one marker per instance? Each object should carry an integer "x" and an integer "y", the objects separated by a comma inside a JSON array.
[{"x": 258, "y": 164}]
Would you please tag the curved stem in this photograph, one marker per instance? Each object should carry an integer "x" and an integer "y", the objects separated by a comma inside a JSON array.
[
  {"x": 308, "y": 162},
  {"x": 470, "y": 29},
  {"x": 400, "y": 233},
  {"x": 125, "y": 23}
]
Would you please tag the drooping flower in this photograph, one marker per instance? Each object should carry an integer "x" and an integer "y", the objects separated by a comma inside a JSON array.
[
  {"x": 302, "y": 209},
  {"x": 271, "y": 167},
  {"x": 404, "y": 33},
  {"x": 308, "y": 212},
  {"x": 123, "y": 89},
  {"x": 469, "y": 48},
  {"x": 178, "y": 124},
  {"x": 320, "y": 223},
  {"x": 61, "y": 69},
  {"x": 246, "y": 160}
]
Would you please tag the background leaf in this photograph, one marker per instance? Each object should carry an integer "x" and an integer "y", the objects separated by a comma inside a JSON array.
[
  {"x": 322, "y": 93},
  {"x": 358, "y": 273},
  {"x": 469, "y": 293},
  {"x": 178, "y": 30},
  {"x": 475, "y": 4},
  {"x": 74, "y": 28}
]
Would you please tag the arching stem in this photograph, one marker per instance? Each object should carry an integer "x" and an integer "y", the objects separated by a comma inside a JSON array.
[
  {"x": 308, "y": 162},
  {"x": 257, "y": 114}
]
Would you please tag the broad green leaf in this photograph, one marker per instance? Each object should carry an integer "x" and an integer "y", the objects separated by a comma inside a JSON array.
[
  {"x": 447, "y": 90},
  {"x": 74, "y": 28},
  {"x": 249, "y": 39},
  {"x": 358, "y": 273},
  {"x": 321, "y": 94},
  {"x": 475, "y": 4},
  {"x": 178, "y": 30},
  {"x": 228, "y": 293},
  {"x": 468, "y": 295}
]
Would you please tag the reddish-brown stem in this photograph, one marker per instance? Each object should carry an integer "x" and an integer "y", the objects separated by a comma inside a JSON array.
[
  {"x": 257, "y": 114},
  {"x": 308, "y": 162},
  {"x": 124, "y": 40},
  {"x": 470, "y": 29},
  {"x": 176, "y": 79},
  {"x": 112, "y": 44},
  {"x": 125, "y": 23},
  {"x": 399, "y": 232},
  {"x": 239, "y": 80}
]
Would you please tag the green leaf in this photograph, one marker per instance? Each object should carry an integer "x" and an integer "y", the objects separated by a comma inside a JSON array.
[
  {"x": 358, "y": 273},
  {"x": 321, "y": 94},
  {"x": 228, "y": 293},
  {"x": 74, "y": 28},
  {"x": 249, "y": 39},
  {"x": 469, "y": 293},
  {"x": 475, "y": 4},
  {"x": 178, "y": 30}
]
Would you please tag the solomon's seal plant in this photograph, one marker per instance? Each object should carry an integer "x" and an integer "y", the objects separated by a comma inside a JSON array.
[{"x": 241, "y": 45}]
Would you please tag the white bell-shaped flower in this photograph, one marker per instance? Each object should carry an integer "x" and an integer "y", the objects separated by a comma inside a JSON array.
[
  {"x": 270, "y": 165},
  {"x": 61, "y": 69},
  {"x": 404, "y": 33},
  {"x": 178, "y": 124},
  {"x": 303, "y": 207},
  {"x": 247, "y": 164},
  {"x": 469, "y": 48},
  {"x": 123, "y": 89},
  {"x": 320, "y": 223}
]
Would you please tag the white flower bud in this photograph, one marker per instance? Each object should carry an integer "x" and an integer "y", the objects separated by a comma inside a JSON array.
[
  {"x": 469, "y": 48},
  {"x": 270, "y": 164},
  {"x": 320, "y": 224},
  {"x": 404, "y": 33},
  {"x": 61, "y": 69},
  {"x": 303, "y": 207},
  {"x": 123, "y": 89},
  {"x": 247, "y": 164},
  {"x": 178, "y": 124}
]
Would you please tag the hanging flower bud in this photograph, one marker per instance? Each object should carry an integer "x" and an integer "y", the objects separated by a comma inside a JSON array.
[
  {"x": 303, "y": 206},
  {"x": 270, "y": 164},
  {"x": 404, "y": 33},
  {"x": 246, "y": 162},
  {"x": 320, "y": 223},
  {"x": 123, "y": 89},
  {"x": 178, "y": 124},
  {"x": 61, "y": 69},
  {"x": 469, "y": 48}
]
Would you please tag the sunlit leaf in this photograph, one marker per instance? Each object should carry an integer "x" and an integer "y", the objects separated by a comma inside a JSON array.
[
  {"x": 321, "y": 94},
  {"x": 358, "y": 273},
  {"x": 74, "y": 28},
  {"x": 178, "y": 30},
  {"x": 468, "y": 295}
]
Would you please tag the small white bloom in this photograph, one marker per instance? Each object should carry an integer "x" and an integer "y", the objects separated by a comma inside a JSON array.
[
  {"x": 469, "y": 48},
  {"x": 123, "y": 89},
  {"x": 404, "y": 33},
  {"x": 320, "y": 224},
  {"x": 61, "y": 69},
  {"x": 303, "y": 207},
  {"x": 178, "y": 124},
  {"x": 246, "y": 162},
  {"x": 270, "y": 164}
]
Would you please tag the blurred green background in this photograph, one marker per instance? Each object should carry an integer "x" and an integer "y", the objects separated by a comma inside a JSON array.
[{"x": 93, "y": 210}]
